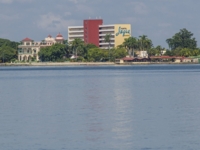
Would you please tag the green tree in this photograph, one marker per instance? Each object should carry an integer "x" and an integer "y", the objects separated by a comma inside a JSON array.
[
  {"x": 77, "y": 46},
  {"x": 7, "y": 54},
  {"x": 97, "y": 54},
  {"x": 89, "y": 46},
  {"x": 141, "y": 42},
  {"x": 145, "y": 44},
  {"x": 195, "y": 52},
  {"x": 118, "y": 53},
  {"x": 182, "y": 39},
  {"x": 130, "y": 44},
  {"x": 107, "y": 39},
  {"x": 86, "y": 48},
  {"x": 159, "y": 50},
  {"x": 185, "y": 52},
  {"x": 67, "y": 48},
  {"x": 9, "y": 43},
  {"x": 169, "y": 53},
  {"x": 152, "y": 52},
  {"x": 53, "y": 53}
]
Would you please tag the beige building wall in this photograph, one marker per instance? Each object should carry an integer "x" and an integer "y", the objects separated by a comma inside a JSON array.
[
  {"x": 30, "y": 49},
  {"x": 122, "y": 31}
]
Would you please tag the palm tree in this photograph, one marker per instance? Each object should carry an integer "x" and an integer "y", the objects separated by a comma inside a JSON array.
[
  {"x": 107, "y": 39},
  {"x": 130, "y": 44},
  {"x": 141, "y": 42},
  {"x": 170, "y": 43},
  {"x": 77, "y": 44},
  {"x": 148, "y": 44},
  {"x": 145, "y": 44},
  {"x": 67, "y": 48},
  {"x": 159, "y": 49}
]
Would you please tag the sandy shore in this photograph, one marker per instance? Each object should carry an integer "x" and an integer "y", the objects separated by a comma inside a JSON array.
[
  {"x": 58, "y": 64},
  {"x": 85, "y": 63}
]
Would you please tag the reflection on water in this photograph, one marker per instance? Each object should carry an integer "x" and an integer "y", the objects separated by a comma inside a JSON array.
[{"x": 129, "y": 107}]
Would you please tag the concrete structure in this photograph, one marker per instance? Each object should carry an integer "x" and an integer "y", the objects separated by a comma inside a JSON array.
[
  {"x": 142, "y": 54},
  {"x": 158, "y": 59},
  {"x": 131, "y": 60},
  {"x": 28, "y": 49},
  {"x": 75, "y": 32},
  {"x": 91, "y": 31},
  {"x": 187, "y": 60},
  {"x": 94, "y": 32}
]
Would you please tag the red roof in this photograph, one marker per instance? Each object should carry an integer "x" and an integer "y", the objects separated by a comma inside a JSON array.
[
  {"x": 59, "y": 35},
  {"x": 141, "y": 58},
  {"x": 166, "y": 57},
  {"x": 128, "y": 58},
  {"x": 49, "y": 36},
  {"x": 27, "y": 39},
  {"x": 59, "y": 39}
]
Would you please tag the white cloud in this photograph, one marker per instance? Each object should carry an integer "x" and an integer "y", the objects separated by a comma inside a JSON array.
[
  {"x": 74, "y": 1},
  {"x": 11, "y": 1},
  {"x": 85, "y": 9},
  {"x": 53, "y": 22},
  {"x": 139, "y": 8},
  {"x": 6, "y": 1},
  {"x": 67, "y": 13},
  {"x": 9, "y": 17},
  {"x": 132, "y": 20},
  {"x": 164, "y": 25},
  {"x": 77, "y": 1}
]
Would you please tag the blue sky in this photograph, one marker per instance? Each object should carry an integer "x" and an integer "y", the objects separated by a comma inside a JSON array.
[{"x": 158, "y": 19}]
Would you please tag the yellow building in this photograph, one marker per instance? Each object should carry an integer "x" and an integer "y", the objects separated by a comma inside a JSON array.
[
  {"x": 122, "y": 31},
  {"x": 118, "y": 33}
]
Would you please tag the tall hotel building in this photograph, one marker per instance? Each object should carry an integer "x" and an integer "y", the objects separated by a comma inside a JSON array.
[{"x": 93, "y": 32}]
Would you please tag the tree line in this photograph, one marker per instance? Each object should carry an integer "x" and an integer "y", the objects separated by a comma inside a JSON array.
[
  {"x": 8, "y": 50},
  {"x": 77, "y": 50},
  {"x": 180, "y": 44}
]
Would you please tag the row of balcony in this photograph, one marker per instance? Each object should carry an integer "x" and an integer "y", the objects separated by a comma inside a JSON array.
[
  {"x": 76, "y": 31},
  {"x": 106, "y": 30},
  {"x": 81, "y": 35},
  {"x": 26, "y": 53},
  {"x": 112, "y": 43},
  {"x": 82, "y": 31},
  {"x": 34, "y": 45}
]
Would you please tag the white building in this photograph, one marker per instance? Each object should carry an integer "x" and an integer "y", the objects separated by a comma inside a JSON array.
[
  {"x": 29, "y": 49},
  {"x": 78, "y": 32},
  {"x": 103, "y": 30},
  {"x": 93, "y": 32},
  {"x": 75, "y": 32},
  {"x": 143, "y": 54}
]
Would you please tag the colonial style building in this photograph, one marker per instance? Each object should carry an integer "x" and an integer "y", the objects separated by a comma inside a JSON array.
[{"x": 29, "y": 49}]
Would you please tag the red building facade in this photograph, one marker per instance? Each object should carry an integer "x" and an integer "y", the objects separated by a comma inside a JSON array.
[{"x": 91, "y": 31}]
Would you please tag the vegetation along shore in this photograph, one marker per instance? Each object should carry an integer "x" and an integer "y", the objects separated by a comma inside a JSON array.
[{"x": 181, "y": 44}]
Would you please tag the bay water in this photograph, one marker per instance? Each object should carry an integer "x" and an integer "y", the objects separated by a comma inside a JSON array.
[{"x": 153, "y": 107}]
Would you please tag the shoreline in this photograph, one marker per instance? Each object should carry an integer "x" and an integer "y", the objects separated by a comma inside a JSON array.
[{"x": 91, "y": 63}]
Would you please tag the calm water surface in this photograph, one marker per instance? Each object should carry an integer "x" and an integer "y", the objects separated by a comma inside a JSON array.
[{"x": 100, "y": 108}]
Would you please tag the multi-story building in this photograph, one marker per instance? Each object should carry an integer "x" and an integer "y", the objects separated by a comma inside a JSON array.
[
  {"x": 93, "y": 31},
  {"x": 29, "y": 49},
  {"x": 75, "y": 32}
]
